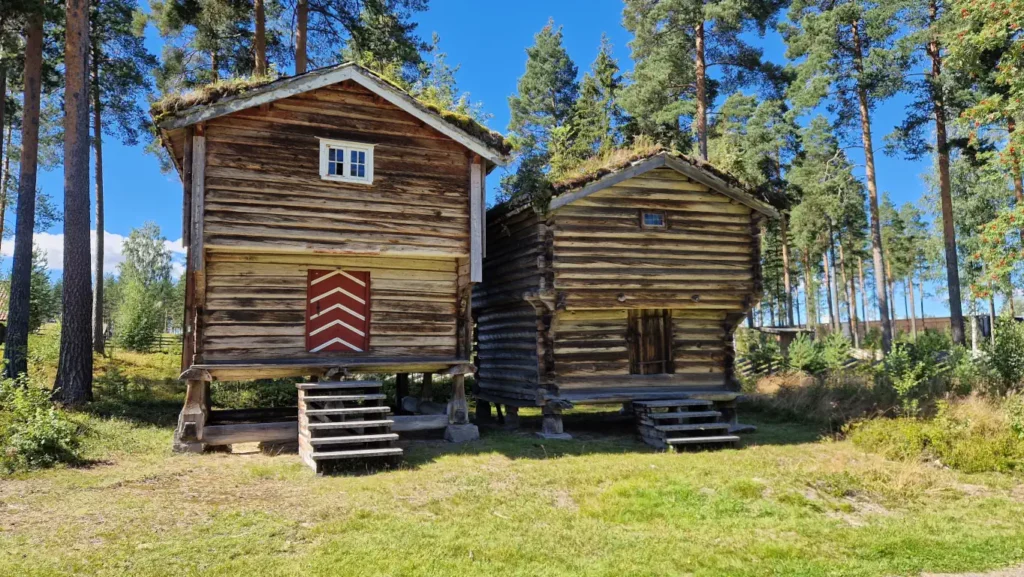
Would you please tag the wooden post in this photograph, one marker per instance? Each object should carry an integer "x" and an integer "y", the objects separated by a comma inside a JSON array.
[
  {"x": 511, "y": 417},
  {"x": 197, "y": 255},
  {"x": 189, "y": 434},
  {"x": 483, "y": 411},
  {"x": 426, "y": 389},
  {"x": 401, "y": 388},
  {"x": 476, "y": 220}
]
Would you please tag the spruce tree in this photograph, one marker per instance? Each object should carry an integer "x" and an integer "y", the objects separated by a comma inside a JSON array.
[
  {"x": 544, "y": 101},
  {"x": 846, "y": 53}
]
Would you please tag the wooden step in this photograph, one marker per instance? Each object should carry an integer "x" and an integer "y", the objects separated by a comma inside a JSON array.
[
  {"x": 350, "y": 425},
  {"x": 325, "y": 398},
  {"x": 347, "y": 440},
  {"x": 671, "y": 403},
  {"x": 328, "y": 385},
  {"x": 692, "y": 427},
  {"x": 703, "y": 440},
  {"x": 357, "y": 453},
  {"x": 343, "y": 411},
  {"x": 683, "y": 415}
]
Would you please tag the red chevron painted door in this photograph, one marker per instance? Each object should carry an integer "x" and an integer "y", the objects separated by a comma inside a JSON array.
[{"x": 338, "y": 311}]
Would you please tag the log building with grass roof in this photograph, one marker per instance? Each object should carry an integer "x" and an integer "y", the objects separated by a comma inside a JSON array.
[
  {"x": 625, "y": 285},
  {"x": 334, "y": 226}
]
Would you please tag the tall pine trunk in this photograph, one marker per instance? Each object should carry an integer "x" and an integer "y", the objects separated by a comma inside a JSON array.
[
  {"x": 913, "y": 307},
  {"x": 98, "y": 344},
  {"x": 869, "y": 169},
  {"x": 863, "y": 292},
  {"x": 16, "y": 344},
  {"x": 810, "y": 294},
  {"x": 260, "y": 39},
  {"x": 702, "y": 94},
  {"x": 956, "y": 314},
  {"x": 301, "y": 23},
  {"x": 832, "y": 324},
  {"x": 5, "y": 145},
  {"x": 851, "y": 300},
  {"x": 73, "y": 385},
  {"x": 786, "y": 281}
]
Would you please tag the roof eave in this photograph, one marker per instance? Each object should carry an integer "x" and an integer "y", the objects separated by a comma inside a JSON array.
[
  {"x": 657, "y": 161},
  {"x": 304, "y": 83}
]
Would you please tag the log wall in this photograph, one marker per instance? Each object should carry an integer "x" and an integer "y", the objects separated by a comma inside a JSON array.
[
  {"x": 267, "y": 217},
  {"x": 589, "y": 262}
]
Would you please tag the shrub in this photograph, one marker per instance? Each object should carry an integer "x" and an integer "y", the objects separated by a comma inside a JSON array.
[
  {"x": 971, "y": 435},
  {"x": 835, "y": 351},
  {"x": 830, "y": 401},
  {"x": 908, "y": 376},
  {"x": 1006, "y": 356},
  {"x": 805, "y": 355},
  {"x": 138, "y": 317},
  {"x": 965, "y": 373},
  {"x": 34, "y": 433}
]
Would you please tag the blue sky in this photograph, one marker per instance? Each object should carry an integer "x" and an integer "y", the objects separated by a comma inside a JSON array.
[{"x": 488, "y": 40}]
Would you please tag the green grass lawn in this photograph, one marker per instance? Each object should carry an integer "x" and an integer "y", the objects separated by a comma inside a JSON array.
[{"x": 787, "y": 503}]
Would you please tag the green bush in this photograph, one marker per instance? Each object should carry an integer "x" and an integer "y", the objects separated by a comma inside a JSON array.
[
  {"x": 34, "y": 433},
  {"x": 908, "y": 376},
  {"x": 1006, "y": 356},
  {"x": 972, "y": 435},
  {"x": 139, "y": 317},
  {"x": 805, "y": 355},
  {"x": 835, "y": 351}
]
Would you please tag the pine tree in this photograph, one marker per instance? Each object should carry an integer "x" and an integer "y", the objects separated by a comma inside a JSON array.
[
  {"x": 120, "y": 79},
  {"x": 16, "y": 343},
  {"x": 939, "y": 97},
  {"x": 846, "y": 51},
  {"x": 674, "y": 44},
  {"x": 73, "y": 384}
]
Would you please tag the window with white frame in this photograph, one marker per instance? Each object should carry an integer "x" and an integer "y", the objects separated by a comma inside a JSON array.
[
  {"x": 346, "y": 161},
  {"x": 652, "y": 219}
]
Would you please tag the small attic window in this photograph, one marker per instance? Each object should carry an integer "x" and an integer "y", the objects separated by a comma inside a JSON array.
[
  {"x": 652, "y": 219},
  {"x": 346, "y": 161}
]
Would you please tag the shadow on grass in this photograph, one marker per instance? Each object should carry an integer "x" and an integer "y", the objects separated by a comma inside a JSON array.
[{"x": 153, "y": 402}]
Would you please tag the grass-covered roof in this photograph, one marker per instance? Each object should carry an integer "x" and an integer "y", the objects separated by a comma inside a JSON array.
[{"x": 179, "y": 103}]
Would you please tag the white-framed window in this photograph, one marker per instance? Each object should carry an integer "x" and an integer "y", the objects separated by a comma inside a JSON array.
[
  {"x": 346, "y": 161},
  {"x": 652, "y": 219}
]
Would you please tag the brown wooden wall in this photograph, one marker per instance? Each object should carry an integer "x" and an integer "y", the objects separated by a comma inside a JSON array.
[
  {"x": 256, "y": 305},
  {"x": 264, "y": 191},
  {"x": 507, "y": 325},
  {"x": 594, "y": 262},
  {"x": 268, "y": 218}
]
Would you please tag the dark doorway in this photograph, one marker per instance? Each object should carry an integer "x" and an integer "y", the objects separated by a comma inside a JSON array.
[{"x": 650, "y": 342}]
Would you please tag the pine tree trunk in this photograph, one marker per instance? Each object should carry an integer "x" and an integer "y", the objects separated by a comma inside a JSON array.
[
  {"x": 913, "y": 307},
  {"x": 956, "y": 315},
  {"x": 851, "y": 299},
  {"x": 834, "y": 279},
  {"x": 992, "y": 313},
  {"x": 828, "y": 288},
  {"x": 863, "y": 292},
  {"x": 16, "y": 344},
  {"x": 869, "y": 169},
  {"x": 786, "y": 281},
  {"x": 301, "y": 22},
  {"x": 215, "y": 65},
  {"x": 260, "y": 39},
  {"x": 98, "y": 344},
  {"x": 810, "y": 294},
  {"x": 73, "y": 385},
  {"x": 702, "y": 95},
  {"x": 891, "y": 290},
  {"x": 5, "y": 145},
  {"x": 920, "y": 289}
]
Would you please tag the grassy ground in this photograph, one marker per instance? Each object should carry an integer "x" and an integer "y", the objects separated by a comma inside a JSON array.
[{"x": 787, "y": 503}]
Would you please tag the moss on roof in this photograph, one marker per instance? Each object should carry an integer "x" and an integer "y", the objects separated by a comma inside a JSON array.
[
  {"x": 174, "y": 103},
  {"x": 618, "y": 159}
]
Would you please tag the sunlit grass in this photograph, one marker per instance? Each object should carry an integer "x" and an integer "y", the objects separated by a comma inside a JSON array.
[{"x": 787, "y": 503}]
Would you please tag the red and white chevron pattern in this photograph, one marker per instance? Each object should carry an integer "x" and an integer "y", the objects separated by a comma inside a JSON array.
[{"x": 338, "y": 311}]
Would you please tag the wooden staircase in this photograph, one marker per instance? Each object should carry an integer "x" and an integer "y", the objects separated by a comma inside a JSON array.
[
  {"x": 344, "y": 420},
  {"x": 682, "y": 423}
]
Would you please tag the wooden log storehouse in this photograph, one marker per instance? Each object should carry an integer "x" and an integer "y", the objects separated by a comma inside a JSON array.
[
  {"x": 625, "y": 287},
  {"x": 334, "y": 226}
]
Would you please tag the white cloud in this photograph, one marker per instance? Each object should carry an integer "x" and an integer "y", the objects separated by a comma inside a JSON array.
[{"x": 113, "y": 251}]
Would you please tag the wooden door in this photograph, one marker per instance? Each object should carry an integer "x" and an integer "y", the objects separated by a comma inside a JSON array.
[
  {"x": 337, "y": 311},
  {"x": 650, "y": 342}
]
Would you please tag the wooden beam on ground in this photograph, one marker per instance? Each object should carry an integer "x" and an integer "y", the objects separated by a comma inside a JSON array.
[
  {"x": 407, "y": 423},
  {"x": 251, "y": 433}
]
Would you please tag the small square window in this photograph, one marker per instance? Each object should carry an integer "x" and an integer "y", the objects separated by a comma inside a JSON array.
[
  {"x": 652, "y": 220},
  {"x": 346, "y": 161}
]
